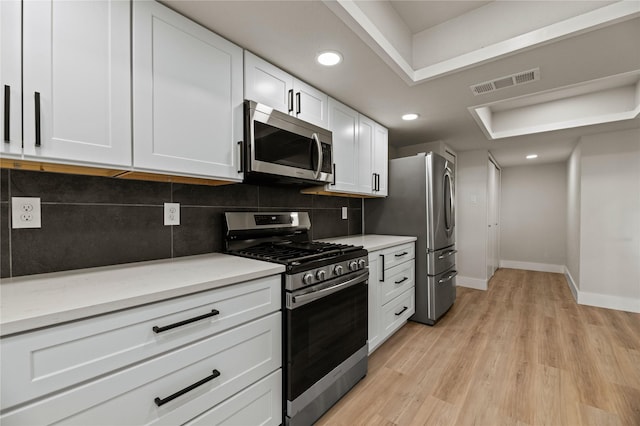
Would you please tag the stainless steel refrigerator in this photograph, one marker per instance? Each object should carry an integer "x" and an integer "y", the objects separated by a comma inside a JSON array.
[{"x": 421, "y": 203}]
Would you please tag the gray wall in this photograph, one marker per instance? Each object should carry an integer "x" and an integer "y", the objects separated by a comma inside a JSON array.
[
  {"x": 471, "y": 217},
  {"x": 610, "y": 217},
  {"x": 94, "y": 221},
  {"x": 573, "y": 215},
  {"x": 533, "y": 212}
]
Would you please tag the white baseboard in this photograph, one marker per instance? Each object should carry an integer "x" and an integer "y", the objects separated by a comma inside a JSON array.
[
  {"x": 610, "y": 302},
  {"x": 532, "y": 266},
  {"x": 572, "y": 284},
  {"x": 477, "y": 283}
]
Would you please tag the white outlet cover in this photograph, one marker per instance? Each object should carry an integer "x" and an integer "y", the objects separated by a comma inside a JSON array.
[
  {"x": 25, "y": 212},
  {"x": 344, "y": 213},
  {"x": 172, "y": 213}
]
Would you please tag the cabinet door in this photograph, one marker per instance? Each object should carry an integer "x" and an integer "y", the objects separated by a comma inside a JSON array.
[
  {"x": 267, "y": 84},
  {"x": 381, "y": 159},
  {"x": 343, "y": 123},
  {"x": 77, "y": 81},
  {"x": 310, "y": 104},
  {"x": 365, "y": 154},
  {"x": 374, "y": 301},
  {"x": 10, "y": 69},
  {"x": 187, "y": 97}
]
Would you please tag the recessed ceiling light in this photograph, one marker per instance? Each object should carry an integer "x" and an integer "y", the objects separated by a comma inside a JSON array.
[
  {"x": 409, "y": 117},
  {"x": 532, "y": 156},
  {"x": 329, "y": 58}
]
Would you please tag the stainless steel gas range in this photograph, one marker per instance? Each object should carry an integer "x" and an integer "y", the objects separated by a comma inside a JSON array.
[{"x": 324, "y": 304}]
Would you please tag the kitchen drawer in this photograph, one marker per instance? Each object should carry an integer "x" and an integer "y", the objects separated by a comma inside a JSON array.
[
  {"x": 396, "y": 255},
  {"x": 397, "y": 280},
  {"x": 397, "y": 312},
  {"x": 37, "y": 363},
  {"x": 242, "y": 356},
  {"x": 260, "y": 404}
]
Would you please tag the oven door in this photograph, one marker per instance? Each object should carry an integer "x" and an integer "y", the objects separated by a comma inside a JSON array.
[
  {"x": 324, "y": 327},
  {"x": 283, "y": 145}
]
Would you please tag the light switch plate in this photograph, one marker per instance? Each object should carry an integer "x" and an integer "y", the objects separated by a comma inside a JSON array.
[
  {"x": 344, "y": 213},
  {"x": 25, "y": 212},
  {"x": 172, "y": 213}
]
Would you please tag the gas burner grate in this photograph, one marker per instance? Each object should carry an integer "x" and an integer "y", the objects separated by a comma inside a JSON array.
[{"x": 292, "y": 252}]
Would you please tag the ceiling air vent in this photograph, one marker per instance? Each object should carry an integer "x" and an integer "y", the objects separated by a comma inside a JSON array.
[{"x": 508, "y": 81}]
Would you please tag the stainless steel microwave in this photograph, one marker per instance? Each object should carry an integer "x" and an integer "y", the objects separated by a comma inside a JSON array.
[{"x": 285, "y": 148}]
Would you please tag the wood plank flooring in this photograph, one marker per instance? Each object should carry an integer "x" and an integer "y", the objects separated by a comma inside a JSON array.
[{"x": 521, "y": 353}]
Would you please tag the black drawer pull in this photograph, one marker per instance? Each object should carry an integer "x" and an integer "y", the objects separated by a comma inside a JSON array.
[
  {"x": 403, "y": 309},
  {"x": 160, "y": 401},
  {"x": 37, "y": 112},
  {"x": 7, "y": 113},
  {"x": 402, "y": 254},
  {"x": 382, "y": 274},
  {"x": 402, "y": 280},
  {"x": 157, "y": 329}
]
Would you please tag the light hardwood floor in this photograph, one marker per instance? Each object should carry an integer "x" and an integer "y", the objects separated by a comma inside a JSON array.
[{"x": 521, "y": 353}]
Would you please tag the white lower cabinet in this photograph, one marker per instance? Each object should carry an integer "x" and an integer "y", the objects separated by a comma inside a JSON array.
[
  {"x": 259, "y": 404},
  {"x": 391, "y": 291},
  {"x": 194, "y": 371}
]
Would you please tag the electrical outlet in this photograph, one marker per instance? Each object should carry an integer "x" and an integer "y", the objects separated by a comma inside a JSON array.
[
  {"x": 172, "y": 213},
  {"x": 344, "y": 213},
  {"x": 25, "y": 212}
]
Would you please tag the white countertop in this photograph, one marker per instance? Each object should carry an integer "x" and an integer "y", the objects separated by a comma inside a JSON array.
[
  {"x": 372, "y": 242},
  {"x": 46, "y": 299}
]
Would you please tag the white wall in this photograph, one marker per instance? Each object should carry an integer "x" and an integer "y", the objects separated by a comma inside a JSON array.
[
  {"x": 471, "y": 215},
  {"x": 573, "y": 218},
  {"x": 533, "y": 216},
  {"x": 610, "y": 220}
]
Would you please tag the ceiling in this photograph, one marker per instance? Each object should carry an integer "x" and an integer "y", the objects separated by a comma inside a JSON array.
[{"x": 290, "y": 33}]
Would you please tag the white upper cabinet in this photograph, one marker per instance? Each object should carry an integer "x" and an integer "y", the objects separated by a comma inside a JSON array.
[
  {"x": 76, "y": 81},
  {"x": 343, "y": 123},
  {"x": 380, "y": 161},
  {"x": 366, "y": 177},
  {"x": 10, "y": 78},
  {"x": 360, "y": 152},
  {"x": 187, "y": 99},
  {"x": 267, "y": 84}
]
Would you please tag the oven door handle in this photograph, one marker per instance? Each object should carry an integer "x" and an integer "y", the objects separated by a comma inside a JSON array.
[{"x": 310, "y": 297}]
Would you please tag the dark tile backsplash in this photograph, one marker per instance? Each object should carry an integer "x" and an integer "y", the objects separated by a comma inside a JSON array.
[{"x": 92, "y": 221}]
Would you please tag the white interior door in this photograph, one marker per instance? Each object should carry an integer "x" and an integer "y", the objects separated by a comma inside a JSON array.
[
  {"x": 492, "y": 219},
  {"x": 77, "y": 81}
]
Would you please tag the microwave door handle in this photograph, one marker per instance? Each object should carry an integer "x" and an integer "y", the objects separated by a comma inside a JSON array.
[{"x": 320, "y": 159}]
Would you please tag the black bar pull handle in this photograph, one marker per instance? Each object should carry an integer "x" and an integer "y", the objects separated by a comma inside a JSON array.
[
  {"x": 400, "y": 313},
  {"x": 298, "y": 108},
  {"x": 7, "y": 113},
  {"x": 402, "y": 280},
  {"x": 402, "y": 254},
  {"x": 161, "y": 401},
  {"x": 334, "y": 174},
  {"x": 157, "y": 329},
  {"x": 377, "y": 181},
  {"x": 290, "y": 106},
  {"x": 240, "y": 156},
  {"x": 38, "y": 135},
  {"x": 382, "y": 275}
]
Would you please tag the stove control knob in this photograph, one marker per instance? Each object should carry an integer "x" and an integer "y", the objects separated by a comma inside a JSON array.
[
  {"x": 361, "y": 263},
  {"x": 307, "y": 278},
  {"x": 353, "y": 265},
  {"x": 337, "y": 270},
  {"x": 320, "y": 274}
]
